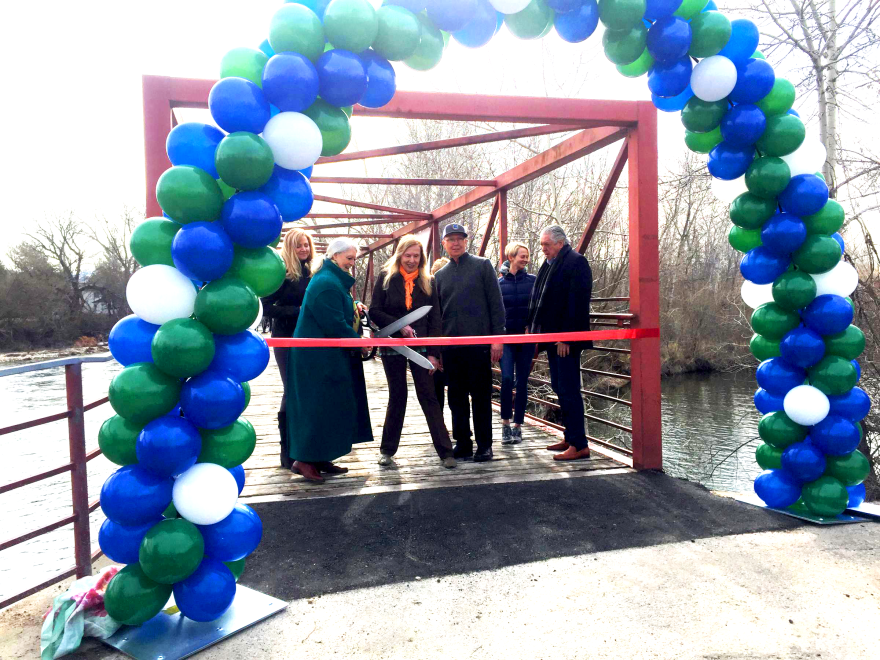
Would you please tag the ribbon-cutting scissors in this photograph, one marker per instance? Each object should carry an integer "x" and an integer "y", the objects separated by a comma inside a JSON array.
[{"x": 399, "y": 324}]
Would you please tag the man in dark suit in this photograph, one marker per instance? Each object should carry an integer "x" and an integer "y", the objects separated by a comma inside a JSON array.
[{"x": 561, "y": 303}]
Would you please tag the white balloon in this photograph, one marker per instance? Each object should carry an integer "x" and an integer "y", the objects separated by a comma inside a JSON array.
[
  {"x": 713, "y": 78},
  {"x": 806, "y": 405},
  {"x": 205, "y": 494},
  {"x": 755, "y": 295},
  {"x": 160, "y": 293},
  {"x": 256, "y": 324},
  {"x": 727, "y": 191},
  {"x": 509, "y": 6},
  {"x": 808, "y": 158},
  {"x": 295, "y": 140},
  {"x": 841, "y": 280}
]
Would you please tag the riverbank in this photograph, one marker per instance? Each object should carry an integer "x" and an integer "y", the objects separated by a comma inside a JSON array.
[{"x": 43, "y": 354}]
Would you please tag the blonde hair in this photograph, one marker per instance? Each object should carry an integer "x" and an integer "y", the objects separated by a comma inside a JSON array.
[
  {"x": 288, "y": 253},
  {"x": 512, "y": 248},
  {"x": 442, "y": 261},
  {"x": 393, "y": 264}
]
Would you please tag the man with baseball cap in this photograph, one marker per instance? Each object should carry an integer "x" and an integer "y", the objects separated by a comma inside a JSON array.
[{"x": 471, "y": 305}]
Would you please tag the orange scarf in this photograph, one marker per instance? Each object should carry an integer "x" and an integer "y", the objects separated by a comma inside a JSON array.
[{"x": 409, "y": 285}]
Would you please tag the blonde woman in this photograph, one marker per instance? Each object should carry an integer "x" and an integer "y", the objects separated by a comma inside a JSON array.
[
  {"x": 282, "y": 309},
  {"x": 403, "y": 287}
]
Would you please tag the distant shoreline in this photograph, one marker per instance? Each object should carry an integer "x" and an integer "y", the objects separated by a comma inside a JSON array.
[{"x": 43, "y": 354}]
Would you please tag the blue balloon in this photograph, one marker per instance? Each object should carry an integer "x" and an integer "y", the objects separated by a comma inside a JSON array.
[
  {"x": 343, "y": 79},
  {"x": 743, "y": 41},
  {"x": 828, "y": 314},
  {"x": 238, "y": 473},
  {"x": 290, "y": 82},
  {"x": 577, "y": 26},
  {"x": 835, "y": 435},
  {"x": 783, "y": 233},
  {"x": 754, "y": 80},
  {"x": 207, "y": 593},
  {"x": 251, "y": 219},
  {"x": 777, "y": 488},
  {"x": 451, "y": 15},
  {"x": 794, "y": 112},
  {"x": 134, "y": 496},
  {"x": 674, "y": 103},
  {"x": 234, "y": 537},
  {"x": 670, "y": 78},
  {"x": 710, "y": 6},
  {"x": 480, "y": 30},
  {"x": 267, "y": 48},
  {"x": 766, "y": 402},
  {"x": 131, "y": 340},
  {"x": 805, "y": 194},
  {"x": 291, "y": 192},
  {"x": 194, "y": 144},
  {"x": 168, "y": 446},
  {"x": 669, "y": 39},
  {"x": 243, "y": 356},
  {"x": 854, "y": 405},
  {"x": 802, "y": 347},
  {"x": 803, "y": 461},
  {"x": 656, "y": 9},
  {"x": 122, "y": 544},
  {"x": 778, "y": 376},
  {"x": 381, "y": 80},
  {"x": 564, "y": 6},
  {"x": 858, "y": 368},
  {"x": 237, "y": 104},
  {"x": 202, "y": 251},
  {"x": 728, "y": 162},
  {"x": 837, "y": 237},
  {"x": 212, "y": 400},
  {"x": 307, "y": 173},
  {"x": 743, "y": 125},
  {"x": 415, "y": 6},
  {"x": 763, "y": 266},
  {"x": 857, "y": 495}
]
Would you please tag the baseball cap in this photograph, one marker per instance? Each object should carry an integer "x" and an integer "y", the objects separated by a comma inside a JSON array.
[{"x": 454, "y": 228}]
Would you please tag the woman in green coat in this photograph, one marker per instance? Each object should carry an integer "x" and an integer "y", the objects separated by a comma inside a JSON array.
[{"x": 327, "y": 403}]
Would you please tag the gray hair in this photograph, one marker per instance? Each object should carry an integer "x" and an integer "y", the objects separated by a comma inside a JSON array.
[
  {"x": 338, "y": 246},
  {"x": 556, "y": 232}
]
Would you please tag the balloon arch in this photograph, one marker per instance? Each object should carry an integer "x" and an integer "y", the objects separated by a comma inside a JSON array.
[{"x": 189, "y": 350}]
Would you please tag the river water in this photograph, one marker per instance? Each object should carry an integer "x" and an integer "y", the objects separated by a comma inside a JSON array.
[{"x": 709, "y": 436}]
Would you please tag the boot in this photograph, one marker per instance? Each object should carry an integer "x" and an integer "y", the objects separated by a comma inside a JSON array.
[
  {"x": 330, "y": 468},
  {"x": 559, "y": 446},
  {"x": 308, "y": 471},
  {"x": 572, "y": 454},
  {"x": 286, "y": 461}
]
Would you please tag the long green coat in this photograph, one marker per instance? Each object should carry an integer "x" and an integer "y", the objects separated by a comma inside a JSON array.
[{"x": 327, "y": 399}]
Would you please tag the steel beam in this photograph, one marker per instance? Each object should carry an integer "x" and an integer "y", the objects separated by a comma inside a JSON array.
[
  {"x": 368, "y": 205},
  {"x": 502, "y": 225},
  {"x": 604, "y": 198},
  {"x": 381, "y": 181},
  {"x": 490, "y": 226}
]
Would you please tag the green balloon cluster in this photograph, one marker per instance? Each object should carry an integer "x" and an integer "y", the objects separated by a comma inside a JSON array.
[
  {"x": 229, "y": 446},
  {"x": 142, "y": 392},
  {"x": 151, "y": 240},
  {"x": 262, "y": 269},
  {"x": 244, "y": 161},
  {"x": 133, "y": 598},
  {"x": 189, "y": 194},
  {"x": 398, "y": 33},
  {"x": 117, "y": 440},
  {"x": 227, "y": 306},
  {"x": 296, "y": 28},
  {"x": 171, "y": 551},
  {"x": 333, "y": 124},
  {"x": 183, "y": 348},
  {"x": 533, "y": 22},
  {"x": 247, "y": 63},
  {"x": 777, "y": 430}
]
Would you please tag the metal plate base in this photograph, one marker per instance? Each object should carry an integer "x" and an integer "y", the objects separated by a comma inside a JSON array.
[
  {"x": 172, "y": 637},
  {"x": 851, "y": 515}
]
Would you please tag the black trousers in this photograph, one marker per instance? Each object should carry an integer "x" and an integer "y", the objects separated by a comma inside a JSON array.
[
  {"x": 469, "y": 373},
  {"x": 565, "y": 378},
  {"x": 395, "y": 372},
  {"x": 281, "y": 356}
]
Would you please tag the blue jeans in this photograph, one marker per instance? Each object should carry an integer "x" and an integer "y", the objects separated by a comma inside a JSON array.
[
  {"x": 565, "y": 378},
  {"x": 516, "y": 365}
]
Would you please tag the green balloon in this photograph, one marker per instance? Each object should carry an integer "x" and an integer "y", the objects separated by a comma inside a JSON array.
[
  {"x": 834, "y": 375},
  {"x": 117, "y": 440},
  {"x": 189, "y": 194},
  {"x": 700, "y": 116},
  {"x": 333, "y": 124},
  {"x": 227, "y": 306},
  {"x": 817, "y": 254},
  {"x": 430, "y": 50},
  {"x": 779, "y": 100},
  {"x": 237, "y": 568},
  {"x": 758, "y": 55},
  {"x": 142, "y": 392},
  {"x": 744, "y": 239},
  {"x": 274, "y": 244},
  {"x": 244, "y": 161},
  {"x": 625, "y": 46},
  {"x": 621, "y": 14},
  {"x": 245, "y": 63},
  {"x": 783, "y": 135},
  {"x": 151, "y": 241},
  {"x": 262, "y": 269},
  {"x": 763, "y": 348},
  {"x": 531, "y": 22},
  {"x": 690, "y": 8},
  {"x": 848, "y": 344},
  {"x": 794, "y": 290},
  {"x": 750, "y": 211},
  {"x": 827, "y": 220},
  {"x": 348, "y": 110},
  {"x": 710, "y": 32},
  {"x": 638, "y": 68},
  {"x": 769, "y": 457},
  {"x": 171, "y": 551},
  {"x": 183, "y": 348},
  {"x": 132, "y": 598},
  {"x": 230, "y": 446},
  {"x": 826, "y": 497},
  {"x": 850, "y": 470},
  {"x": 703, "y": 143},
  {"x": 247, "y": 395},
  {"x": 170, "y": 511},
  {"x": 351, "y": 24},
  {"x": 773, "y": 321},
  {"x": 778, "y": 430},
  {"x": 767, "y": 176},
  {"x": 297, "y": 28},
  {"x": 227, "y": 190},
  {"x": 399, "y": 33}
]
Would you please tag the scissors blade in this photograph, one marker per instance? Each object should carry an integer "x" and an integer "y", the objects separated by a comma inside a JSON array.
[
  {"x": 411, "y": 355},
  {"x": 403, "y": 321}
]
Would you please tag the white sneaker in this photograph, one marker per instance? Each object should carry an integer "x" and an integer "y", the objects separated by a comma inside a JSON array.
[{"x": 385, "y": 460}]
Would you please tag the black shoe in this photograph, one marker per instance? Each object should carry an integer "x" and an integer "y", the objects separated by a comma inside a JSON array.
[
  {"x": 483, "y": 455},
  {"x": 463, "y": 453},
  {"x": 286, "y": 461}
]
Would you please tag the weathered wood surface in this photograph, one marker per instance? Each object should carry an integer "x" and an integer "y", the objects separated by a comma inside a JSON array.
[{"x": 417, "y": 465}]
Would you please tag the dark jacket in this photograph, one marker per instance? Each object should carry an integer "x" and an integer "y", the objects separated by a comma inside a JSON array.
[
  {"x": 561, "y": 298},
  {"x": 516, "y": 291},
  {"x": 389, "y": 304},
  {"x": 470, "y": 299},
  {"x": 282, "y": 307}
]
